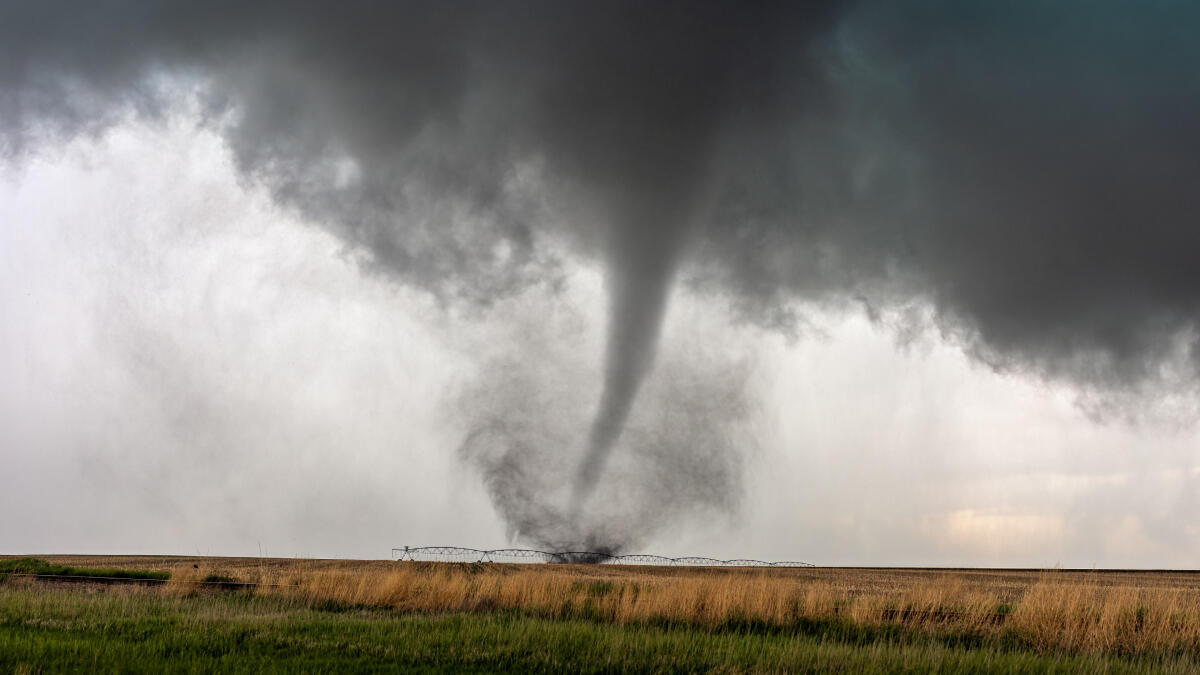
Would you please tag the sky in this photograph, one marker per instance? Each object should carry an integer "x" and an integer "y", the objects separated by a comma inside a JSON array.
[{"x": 863, "y": 284}]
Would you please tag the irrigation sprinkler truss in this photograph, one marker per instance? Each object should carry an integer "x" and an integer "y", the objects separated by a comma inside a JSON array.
[{"x": 527, "y": 555}]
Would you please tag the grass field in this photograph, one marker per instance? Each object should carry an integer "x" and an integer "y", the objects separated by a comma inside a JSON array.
[{"x": 345, "y": 616}]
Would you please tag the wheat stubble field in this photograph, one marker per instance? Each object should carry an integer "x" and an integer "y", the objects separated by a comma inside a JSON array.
[{"x": 340, "y": 615}]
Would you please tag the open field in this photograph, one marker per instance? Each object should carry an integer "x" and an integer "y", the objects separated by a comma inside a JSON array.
[{"x": 354, "y": 615}]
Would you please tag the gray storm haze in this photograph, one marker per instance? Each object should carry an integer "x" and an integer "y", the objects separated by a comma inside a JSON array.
[{"x": 1016, "y": 182}]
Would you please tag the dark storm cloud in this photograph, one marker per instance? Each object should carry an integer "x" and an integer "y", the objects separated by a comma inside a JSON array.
[
  {"x": 465, "y": 121},
  {"x": 1030, "y": 170}
]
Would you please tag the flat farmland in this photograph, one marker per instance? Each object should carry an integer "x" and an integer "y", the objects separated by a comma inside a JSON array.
[
  {"x": 855, "y": 579},
  {"x": 710, "y": 619}
]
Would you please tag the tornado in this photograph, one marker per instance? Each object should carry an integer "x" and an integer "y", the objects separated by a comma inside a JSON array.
[{"x": 641, "y": 268}]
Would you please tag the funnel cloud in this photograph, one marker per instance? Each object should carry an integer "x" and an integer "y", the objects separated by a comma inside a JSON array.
[{"x": 1021, "y": 178}]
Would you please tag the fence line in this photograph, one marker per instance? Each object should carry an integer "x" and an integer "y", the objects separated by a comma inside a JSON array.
[{"x": 528, "y": 555}]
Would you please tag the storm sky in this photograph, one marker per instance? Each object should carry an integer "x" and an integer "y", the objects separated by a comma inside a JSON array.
[{"x": 863, "y": 282}]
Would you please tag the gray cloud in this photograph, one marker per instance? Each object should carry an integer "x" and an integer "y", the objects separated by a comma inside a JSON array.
[
  {"x": 680, "y": 459},
  {"x": 1030, "y": 171}
]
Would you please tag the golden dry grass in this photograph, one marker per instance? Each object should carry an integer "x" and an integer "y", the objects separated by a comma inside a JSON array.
[{"x": 1102, "y": 611}]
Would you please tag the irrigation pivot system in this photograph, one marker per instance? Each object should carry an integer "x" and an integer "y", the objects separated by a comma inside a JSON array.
[{"x": 526, "y": 555}]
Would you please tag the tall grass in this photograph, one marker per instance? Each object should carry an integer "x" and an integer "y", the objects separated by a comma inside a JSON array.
[
  {"x": 1057, "y": 612},
  {"x": 144, "y": 630}
]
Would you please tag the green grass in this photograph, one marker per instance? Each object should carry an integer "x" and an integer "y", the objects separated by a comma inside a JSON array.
[
  {"x": 36, "y": 566},
  {"x": 139, "y": 630}
]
